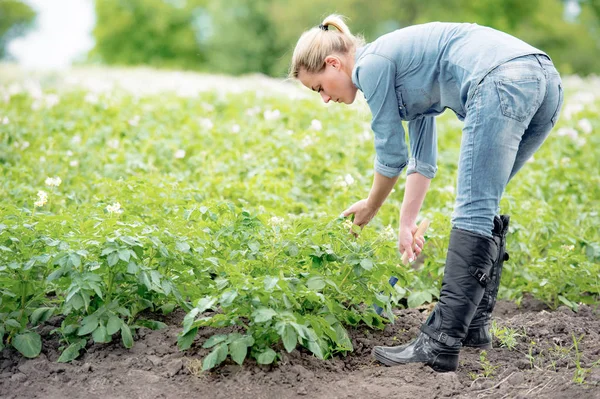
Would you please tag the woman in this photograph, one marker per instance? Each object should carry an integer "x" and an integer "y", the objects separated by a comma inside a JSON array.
[{"x": 508, "y": 94}]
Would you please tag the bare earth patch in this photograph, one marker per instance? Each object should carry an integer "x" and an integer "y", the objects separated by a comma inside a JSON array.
[{"x": 543, "y": 364}]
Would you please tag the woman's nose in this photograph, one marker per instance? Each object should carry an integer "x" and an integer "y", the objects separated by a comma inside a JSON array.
[{"x": 325, "y": 98}]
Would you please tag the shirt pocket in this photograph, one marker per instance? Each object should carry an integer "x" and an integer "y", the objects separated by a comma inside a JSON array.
[
  {"x": 416, "y": 102},
  {"x": 401, "y": 103}
]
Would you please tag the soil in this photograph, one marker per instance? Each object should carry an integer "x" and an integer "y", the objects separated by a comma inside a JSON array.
[{"x": 543, "y": 364}]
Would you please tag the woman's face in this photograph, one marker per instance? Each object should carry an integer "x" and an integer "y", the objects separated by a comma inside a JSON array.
[{"x": 334, "y": 82}]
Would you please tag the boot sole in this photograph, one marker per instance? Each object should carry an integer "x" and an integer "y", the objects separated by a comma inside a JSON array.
[{"x": 443, "y": 362}]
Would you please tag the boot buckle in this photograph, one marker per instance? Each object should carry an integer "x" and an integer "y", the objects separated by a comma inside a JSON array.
[
  {"x": 480, "y": 276},
  {"x": 442, "y": 337}
]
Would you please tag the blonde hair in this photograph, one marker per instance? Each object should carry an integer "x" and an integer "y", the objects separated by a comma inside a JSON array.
[{"x": 317, "y": 43}]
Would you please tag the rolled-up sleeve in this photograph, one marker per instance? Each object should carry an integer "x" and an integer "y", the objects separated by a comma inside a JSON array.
[
  {"x": 376, "y": 77},
  {"x": 423, "y": 147}
]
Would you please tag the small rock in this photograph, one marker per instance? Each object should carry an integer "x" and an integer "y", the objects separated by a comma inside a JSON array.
[
  {"x": 18, "y": 377},
  {"x": 86, "y": 368},
  {"x": 174, "y": 367},
  {"x": 566, "y": 310},
  {"x": 302, "y": 391},
  {"x": 155, "y": 360},
  {"x": 523, "y": 364}
]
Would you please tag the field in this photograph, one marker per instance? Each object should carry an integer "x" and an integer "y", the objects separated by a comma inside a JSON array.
[{"x": 163, "y": 228}]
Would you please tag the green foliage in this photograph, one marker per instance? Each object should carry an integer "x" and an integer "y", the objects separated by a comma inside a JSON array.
[
  {"x": 154, "y": 32},
  {"x": 16, "y": 17},
  {"x": 242, "y": 36},
  {"x": 241, "y": 231}
]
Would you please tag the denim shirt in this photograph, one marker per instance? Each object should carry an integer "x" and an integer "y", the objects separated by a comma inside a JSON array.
[{"x": 414, "y": 74}]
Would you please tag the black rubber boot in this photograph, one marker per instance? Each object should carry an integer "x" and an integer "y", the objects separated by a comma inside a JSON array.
[
  {"x": 479, "y": 335},
  {"x": 468, "y": 264}
]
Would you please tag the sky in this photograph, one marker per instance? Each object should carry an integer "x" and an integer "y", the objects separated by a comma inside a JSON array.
[{"x": 63, "y": 32}]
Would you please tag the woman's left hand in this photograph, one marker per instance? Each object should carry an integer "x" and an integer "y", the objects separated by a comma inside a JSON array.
[{"x": 407, "y": 241}]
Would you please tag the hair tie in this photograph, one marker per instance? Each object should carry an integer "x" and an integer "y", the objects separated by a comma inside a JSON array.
[{"x": 323, "y": 27}]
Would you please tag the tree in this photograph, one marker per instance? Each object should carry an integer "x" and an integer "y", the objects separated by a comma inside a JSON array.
[{"x": 15, "y": 19}]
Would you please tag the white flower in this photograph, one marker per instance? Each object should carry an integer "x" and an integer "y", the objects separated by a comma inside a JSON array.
[
  {"x": 114, "y": 144},
  {"x": 349, "y": 179},
  {"x": 69, "y": 153},
  {"x": 179, "y": 154},
  {"x": 448, "y": 189},
  {"x": 52, "y": 100},
  {"x": 276, "y": 220},
  {"x": 271, "y": 115},
  {"x": 235, "y": 128},
  {"x": 76, "y": 139},
  {"x": 585, "y": 125},
  {"x": 5, "y": 120},
  {"x": 135, "y": 120},
  {"x": 316, "y": 124},
  {"x": 114, "y": 208},
  {"x": 530, "y": 160},
  {"x": 568, "y": 131},
  {"x": 25, "y": 145},
  {"x": 565, "y": 161},
  {"x": 247, "y": 156},
  {"x": 42, "y": 159},
  {"x": 74, "y": 163},
  {"x": 53, "y": 181},
  {"x": 206, "y": 123},
  {"x": 572, "y": 109},
  {"x": 307, "y": 141},
  {"x": 253, "y": 111},
  {"x": 42, "y": 199}
]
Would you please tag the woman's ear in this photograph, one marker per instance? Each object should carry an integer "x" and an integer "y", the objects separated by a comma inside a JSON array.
[{"x": 333, "y": 61}]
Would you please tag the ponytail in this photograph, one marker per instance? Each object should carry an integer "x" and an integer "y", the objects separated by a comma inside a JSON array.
[{"x": 317, "y": 43}]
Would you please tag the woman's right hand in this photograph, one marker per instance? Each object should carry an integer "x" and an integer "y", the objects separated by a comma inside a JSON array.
[{"x": 363, "y": 212}]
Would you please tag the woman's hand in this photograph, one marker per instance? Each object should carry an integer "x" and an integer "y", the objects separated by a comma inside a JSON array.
[
  {"x": 363, "y": 212},
  {"x": 408, "y": 242}
]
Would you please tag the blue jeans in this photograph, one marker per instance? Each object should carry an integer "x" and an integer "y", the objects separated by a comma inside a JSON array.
[{"x": 508, "y": 118}]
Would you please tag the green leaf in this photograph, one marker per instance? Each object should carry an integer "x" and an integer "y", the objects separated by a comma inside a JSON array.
[
  {"x": 270, "y": 282},
  {"x": 113, "y": 325},
  {"x": 40, "y": 315},
  {"x": 206, "y": 303},
  {"x": 100, "y": 335},
  {"x": 266, "y": 357},
  {"x": 316, "y": 283},
  {"x": 72, "y": 352},
  {"x": 215, "y": 357},
  {"x": 112, "y": 258},
  {"x": 88, "y": 327},
  {"x": 126, "y": 336},
  {"x": 124, "y": 255},
  {"x": 262, "y": 315},
  {"x": 238, "y": 350},
  {"x": 417, "y": 298},
  {"x": 29, "y": 344},
  {"x": 152, "y": 324},
  {"x": 366, "y": 264},
  {"x": 184, "y": 341},
  {"x": 12, "y": 323},
  {"x": 188, "y": 320},
  {"x": 215, "y": 339},
  {"x": 228, "y": 297},
  {"x": 290, "y": 338},
  {"x": 182, "y": 246}
]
